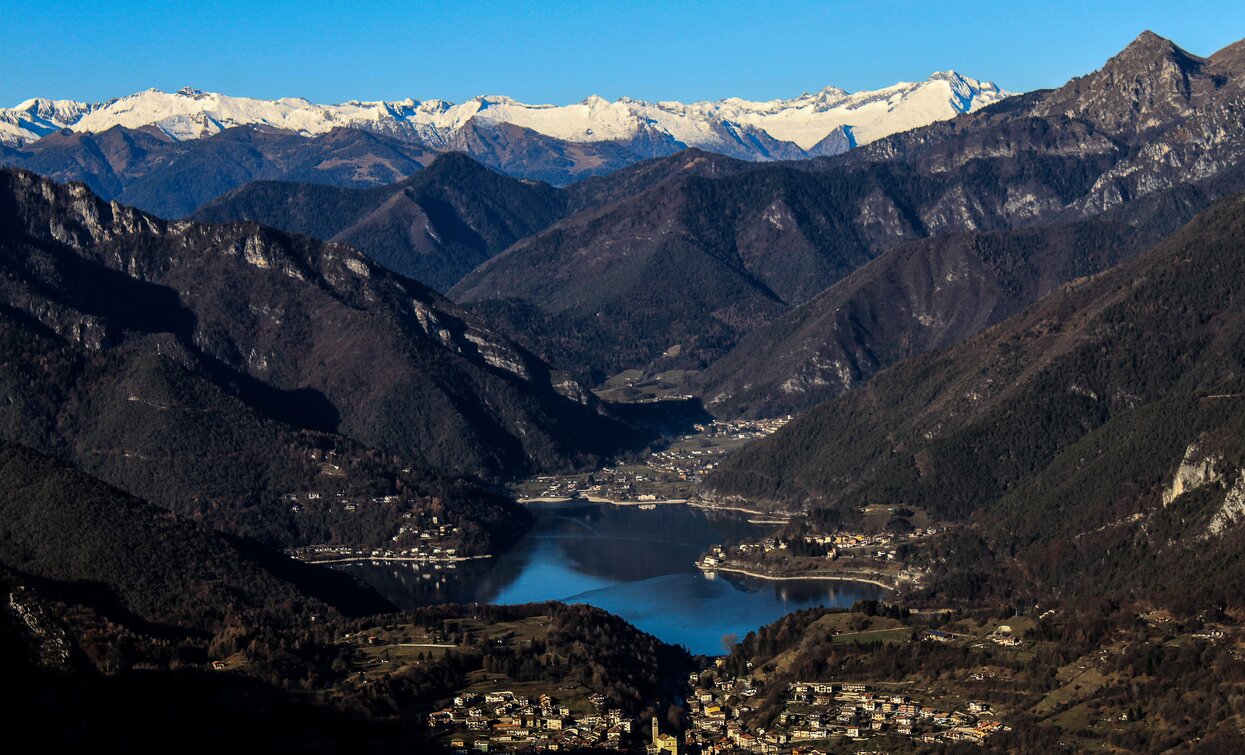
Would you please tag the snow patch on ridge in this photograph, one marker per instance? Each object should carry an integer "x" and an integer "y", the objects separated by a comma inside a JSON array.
[{"x": 805, "y": 121}]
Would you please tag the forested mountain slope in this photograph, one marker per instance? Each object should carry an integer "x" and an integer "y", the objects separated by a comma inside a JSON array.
[
  {"x": 932, "y": 294},
  {"x": 1073, "y": 433},
  {"x": 218, "y": 370},
  {"x": 140, "y": 564}
]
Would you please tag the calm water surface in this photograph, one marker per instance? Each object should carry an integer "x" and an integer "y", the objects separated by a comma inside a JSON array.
[{"x": 636, "y": 564}]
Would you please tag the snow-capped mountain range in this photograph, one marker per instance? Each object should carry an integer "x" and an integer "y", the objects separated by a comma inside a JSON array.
[{"x": 825, "y": 122}]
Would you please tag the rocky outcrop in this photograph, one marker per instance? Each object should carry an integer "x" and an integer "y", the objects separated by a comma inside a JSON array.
[
  {"x": 1197, "y": 469},
  {"x": 1232, "y": 510}
]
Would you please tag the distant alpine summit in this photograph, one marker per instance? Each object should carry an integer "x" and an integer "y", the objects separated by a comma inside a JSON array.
[{"x": 823, "y": 123}]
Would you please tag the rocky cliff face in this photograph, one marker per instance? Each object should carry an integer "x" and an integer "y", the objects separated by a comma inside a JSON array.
[
  {"x": 1232, "y": 510},
  {"x": 1202, "y": 468},
  {"x": 1197, "y": 469}
]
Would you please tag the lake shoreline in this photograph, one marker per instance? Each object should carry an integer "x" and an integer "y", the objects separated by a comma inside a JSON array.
[
  {"x": 597, "y": 499},
  {"x": 776, "y": 516},
  {"x": 415, "y": 559},
  {"x": 798, "y": 577},
  {"x": 635, "y": 563}
]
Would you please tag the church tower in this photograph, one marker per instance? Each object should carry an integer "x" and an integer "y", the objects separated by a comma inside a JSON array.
[{"x": 663, "y": 744}]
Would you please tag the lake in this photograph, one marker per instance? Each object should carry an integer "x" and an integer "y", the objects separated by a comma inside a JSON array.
[{"x": 637, "y": 564}]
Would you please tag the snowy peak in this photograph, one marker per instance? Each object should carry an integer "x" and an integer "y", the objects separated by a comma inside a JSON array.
[
  {"x": 964, "y": 92},
  {"x": 809, "y": 119},
  {"x": 58, "y": 112},
  {"x": 38, "y": 117},
  {"x": 819, "y": 123}
]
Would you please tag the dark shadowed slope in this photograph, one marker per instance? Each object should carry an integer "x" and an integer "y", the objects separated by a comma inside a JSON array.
[
  {"x": 217, "y": 370},
  {"x": 691, "y": 262},
  {"x": 141, "y": 564},
  {"x": 418, "y": 378}
]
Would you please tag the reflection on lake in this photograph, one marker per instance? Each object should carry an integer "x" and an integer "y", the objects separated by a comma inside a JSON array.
[{"x": 633, "y": 563}]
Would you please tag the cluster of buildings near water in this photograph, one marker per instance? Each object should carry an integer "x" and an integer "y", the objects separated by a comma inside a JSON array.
[
  {"x": 419, "y": 537},
  {"x": 823, "y": 715},
  {"x": 503, "y": 721},
  {"x": 634, "y": 484},
  {"x": 832, "y": 545},
  {"x": 695, "y": 455},
  {"x": 841, "y": 553},
  {"x": 427, "y": 553}
]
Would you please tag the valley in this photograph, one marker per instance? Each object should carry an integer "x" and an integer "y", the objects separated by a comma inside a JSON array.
[{"x": 907, "y": 420}]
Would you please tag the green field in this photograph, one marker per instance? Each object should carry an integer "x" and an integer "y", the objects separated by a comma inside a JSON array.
[{"x": 635, "y": 385}]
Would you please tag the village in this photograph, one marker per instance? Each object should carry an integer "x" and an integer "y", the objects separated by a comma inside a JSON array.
[
  {"x": 670, "y": 475},
  {"x": 419, "y": 536},
  {"x": 804, "y": 549},
  {"x": 492, "y": 711},
  {"x": 328, "y": 554},
  {"x": 819, "y": 716},
  {"x": 502, "y": 720}
]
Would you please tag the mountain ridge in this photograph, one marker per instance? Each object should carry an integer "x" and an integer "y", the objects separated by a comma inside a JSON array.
[
  {"x": 733, "y": 126},
  {"x": 931, "y": 294},
  {"x": 435, "y": 226},
  {"x": 1169, "y": 121}
]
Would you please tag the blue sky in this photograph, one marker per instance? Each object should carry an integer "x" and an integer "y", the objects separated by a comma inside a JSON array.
[{"x": 561, "y": 51}]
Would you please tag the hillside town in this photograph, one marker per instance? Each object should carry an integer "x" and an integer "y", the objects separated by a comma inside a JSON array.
[
  {"x": 818, "y": 716},
  {"x": 504, "y": 721}
]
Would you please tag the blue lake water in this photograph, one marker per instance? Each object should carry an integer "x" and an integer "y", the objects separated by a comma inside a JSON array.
[{"x": 633, "y": 563}]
